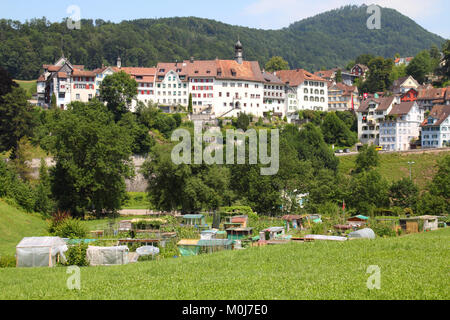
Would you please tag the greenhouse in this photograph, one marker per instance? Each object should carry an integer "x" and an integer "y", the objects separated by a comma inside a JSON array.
[
  {"x": 107, "y": 256},
  {"x": 40, "y": 252}
]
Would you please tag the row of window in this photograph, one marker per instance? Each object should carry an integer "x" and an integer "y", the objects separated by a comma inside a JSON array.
[
  {"x": 314, "y": 84},
  {"x": 267, "y": 87},
  {"x": 239, "y": 85},
  {"x": 83, "y": 86},
  {"x": 315, "y": 99},
  {"x": 306, "y": 91},
  {"x": 184, "y": 85}
]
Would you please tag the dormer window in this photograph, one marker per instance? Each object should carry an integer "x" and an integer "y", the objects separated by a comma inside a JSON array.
[{"x": 162, "y": 70}]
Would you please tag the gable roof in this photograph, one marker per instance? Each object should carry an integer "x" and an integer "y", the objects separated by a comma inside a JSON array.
[
  {"x": 431, "y": 94},
  {"x": 297, "y": 77},
  {"x": 440, "y": 113},
  {"x": 270, "y": 78},
  {"x": 247, "y": 70},
  {"x": 402, "y": 109},
  {"x": 383, "y": 103}
]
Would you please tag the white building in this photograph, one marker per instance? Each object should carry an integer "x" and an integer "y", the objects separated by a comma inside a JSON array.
[
  {"x": 371, "y": 112},
  {"x": 274, "y": 95},
  {"x": 401, "y": 126},
  {"x": 436, "y": 128},
  {"x": 309, "y": 91}
]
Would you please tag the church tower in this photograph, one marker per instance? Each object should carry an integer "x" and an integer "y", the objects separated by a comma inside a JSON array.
[{"x": 239, "y": 52}]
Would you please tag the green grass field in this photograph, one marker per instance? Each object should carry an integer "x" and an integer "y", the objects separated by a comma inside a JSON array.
[
  {"x": 28, "y": 86},
  {"x": 138, "y": 200},
  {"x": 412, "y": 267},
  {"x": 394, "y": 166},
  {"x": 15, "y": 225}
]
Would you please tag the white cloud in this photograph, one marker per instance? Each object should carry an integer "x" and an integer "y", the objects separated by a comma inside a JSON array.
[{"x": 280, "y": 13}]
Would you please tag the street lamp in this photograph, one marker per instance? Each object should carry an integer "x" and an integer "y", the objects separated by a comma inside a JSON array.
[{"x": 410, "y": 169}]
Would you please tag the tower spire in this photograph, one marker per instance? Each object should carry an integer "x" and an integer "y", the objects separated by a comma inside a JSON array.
[{"x": 239, "y": 50}]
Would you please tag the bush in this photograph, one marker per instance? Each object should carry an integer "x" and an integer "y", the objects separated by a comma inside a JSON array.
[
  {"x": 7, "y": 262},
  {"x": 71, "y": 228},
  {"x": 382, "y": 230},
  {"x": 238, "y": 210},
  {"x": 76, "y": 255}
]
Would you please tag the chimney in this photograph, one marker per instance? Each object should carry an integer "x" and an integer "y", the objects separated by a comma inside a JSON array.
[
  {"x": 192, "y": 60},
  {"x": 119, "y": 63}
]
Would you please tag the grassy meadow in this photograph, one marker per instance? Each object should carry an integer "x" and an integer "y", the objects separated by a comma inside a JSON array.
[
  {"x": 412, "y": 267},
  {"x": 394, "y": 166},
  {"x": 29, "y": 86},
  {"x": 15, "y": 225}
]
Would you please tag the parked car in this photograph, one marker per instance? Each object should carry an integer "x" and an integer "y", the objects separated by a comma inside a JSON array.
[{"x": 347, "y": 150}]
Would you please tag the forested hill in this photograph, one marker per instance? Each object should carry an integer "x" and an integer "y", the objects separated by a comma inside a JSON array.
[{"x": 327, "y": 40}]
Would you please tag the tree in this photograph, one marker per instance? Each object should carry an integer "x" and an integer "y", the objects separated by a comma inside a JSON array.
[
  {"x": 44, "y": 203},
  {"x": 368, "y": 158},
  {"x": 446, "y": 59},
  {"x": 6, "y": 83},
  {"x": 53, "y": 102},
  {"x": 440, "y": 186},
  {"x": 404, "y": 193},
  {"x": 379, "y": 78},
  {"x": 368, "y": 190},
  {"x": 118, "y": 91},
  {"x": 142, "y": 141},
  {"x": 335, "y": 131},
  {"x": 190, "y": 110},
  {"x": 420, "y": 66},
  {"x": 339, "y": 76},
  {"x": 92, "y": 155},
  {"x": 243, "y": 121},
  {"x": 16, "y": 120},
  {"x": 276, "y": 64}
]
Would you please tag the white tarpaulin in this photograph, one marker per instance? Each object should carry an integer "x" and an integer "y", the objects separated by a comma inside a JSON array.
[
  {"x": 363, "y": 234},
  {"x": 40, "y": 252},
  {"x": 107, "y": 256},
  {"x": 325, "y": 238}
]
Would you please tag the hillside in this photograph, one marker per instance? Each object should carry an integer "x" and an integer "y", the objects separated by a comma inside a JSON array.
[
  {"x": 412, "y": 267},
  {"x": 394, "y": 166},
  {"x": 326, "y": 40},
  {"x": 15, "y": 225}
]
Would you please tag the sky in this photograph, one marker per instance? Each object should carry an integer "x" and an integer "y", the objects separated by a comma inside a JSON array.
[{"x": 433, "y": 15}]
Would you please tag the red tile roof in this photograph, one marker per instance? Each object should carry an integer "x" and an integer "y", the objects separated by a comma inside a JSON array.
[
  {"x": 383, "y": 103},
  {"x": 247, "y": 71},
  {"x": 440, "y": 113},
  {"x": 270, "y": 78},
  {"x": 62, "y": 75},
  {"x": 297, "y": 77},
  {"x": 431, "y": 94},
  {"x": 402, "y": 108},
  {"x": 80, "y": 73}
]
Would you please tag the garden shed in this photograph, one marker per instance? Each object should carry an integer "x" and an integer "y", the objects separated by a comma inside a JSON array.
[
  {"x": 294, "y": 221},
  {"x": 209, "y": 234},
  {"x": 40, "y": 252},
  {"x": 430, "y": 223},
  {"x": 107, "y": 256},
  {"x": 366, "y": 233},
  {"x": 239, "y": 233},
  {"x": 358, "y": 220},
  {"x": 273, "y": 233},
  {"x": 196, "y": 220}
]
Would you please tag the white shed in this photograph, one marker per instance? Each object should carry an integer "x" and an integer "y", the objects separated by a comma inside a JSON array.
[{"x": 40, "y": 252}]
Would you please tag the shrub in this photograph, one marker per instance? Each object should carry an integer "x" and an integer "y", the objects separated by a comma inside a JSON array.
[
  {"x": 382, "y": 230},
  {"x": 71, "y": 228},
  {"x": 76, "y": 255},
  {"x": 57, "y": 219},
  {"x": 7, "y": 262},
  {"x": 238, "y": 210}
]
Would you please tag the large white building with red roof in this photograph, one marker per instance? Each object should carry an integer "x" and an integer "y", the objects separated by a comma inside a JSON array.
[{"x": 220, "y": 88}]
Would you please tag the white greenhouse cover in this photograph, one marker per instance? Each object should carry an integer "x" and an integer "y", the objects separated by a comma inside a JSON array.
[
  {"x": 363, "y": 234},
  {"x": 147, "y": 251},
  {"x": 107, "y": 256},
  {"x": 40, "y": 251}
]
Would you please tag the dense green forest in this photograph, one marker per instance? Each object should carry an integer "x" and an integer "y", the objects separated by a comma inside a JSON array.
[{"x": 327, "y": 40}]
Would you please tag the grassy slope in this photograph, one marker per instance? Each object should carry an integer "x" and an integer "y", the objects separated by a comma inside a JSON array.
[
  {"x": 14, "y": 225},
  {"x": 412, "y": 267},
  {"x": 28, "y": 86},
  {"x": 394, "y": 166}
]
